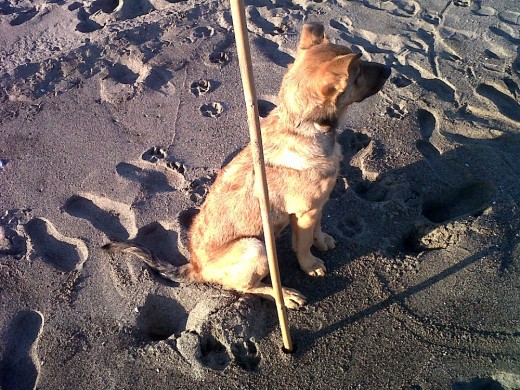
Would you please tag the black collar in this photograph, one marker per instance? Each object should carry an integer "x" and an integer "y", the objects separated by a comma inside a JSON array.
[{"x": 328, "y": 122}]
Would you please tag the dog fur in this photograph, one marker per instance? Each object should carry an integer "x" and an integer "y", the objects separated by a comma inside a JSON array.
[{"x": 302, "y": 158}]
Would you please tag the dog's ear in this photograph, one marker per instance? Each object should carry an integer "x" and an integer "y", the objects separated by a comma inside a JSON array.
[
  {"x": 312, "y": 34},
  {"x": 343, "y": 65},
  {"x": 336, "y": 73}
]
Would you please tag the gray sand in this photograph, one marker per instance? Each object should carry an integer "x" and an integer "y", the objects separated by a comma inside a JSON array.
[{"x": 115, "y": 118}]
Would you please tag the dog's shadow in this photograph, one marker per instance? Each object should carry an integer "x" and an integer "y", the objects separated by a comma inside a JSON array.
[
  {"x": 307, "y": 339},
  {"x": 434, "y": 193}
]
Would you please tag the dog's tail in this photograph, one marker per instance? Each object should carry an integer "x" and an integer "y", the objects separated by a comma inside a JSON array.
[{"x": 168, "y": 270}]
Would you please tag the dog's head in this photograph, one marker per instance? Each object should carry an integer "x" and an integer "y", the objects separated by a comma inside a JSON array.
[{"x": 326, "y": 78}]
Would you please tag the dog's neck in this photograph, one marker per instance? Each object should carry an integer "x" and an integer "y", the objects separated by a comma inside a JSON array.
[
  {"x": 310, "y": 125},
  {"x": 319, "y": 120},
  {"x": 301, "y": 146},
  {"x": 327, "y": 129}
]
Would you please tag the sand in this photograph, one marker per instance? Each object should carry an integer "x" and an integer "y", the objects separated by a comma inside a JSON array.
[{"x": 116, "y": 116}]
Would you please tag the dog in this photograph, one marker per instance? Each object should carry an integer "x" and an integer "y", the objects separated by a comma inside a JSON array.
[{"x": 302, "y": 161}]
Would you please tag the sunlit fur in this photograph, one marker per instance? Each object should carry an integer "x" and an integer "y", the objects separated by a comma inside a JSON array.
[{"x": 302, "y": 160}]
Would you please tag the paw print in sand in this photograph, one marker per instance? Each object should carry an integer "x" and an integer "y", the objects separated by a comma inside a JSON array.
[
  {"x": 221, "y": 58},
  {"x": 200, "y": 87},
  {"x": 212, "y": 110}
]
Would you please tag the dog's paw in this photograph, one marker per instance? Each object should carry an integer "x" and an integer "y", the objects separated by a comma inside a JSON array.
[
  {"x": 314, "y": 266},
  {"x": 292, "y": 298},
  {"x": 324, "y": 242}
]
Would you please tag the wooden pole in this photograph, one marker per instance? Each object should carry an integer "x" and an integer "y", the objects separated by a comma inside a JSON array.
[{"x": 246, "y": 71}]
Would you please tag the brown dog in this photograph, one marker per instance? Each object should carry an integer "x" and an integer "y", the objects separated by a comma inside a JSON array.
[{"x": 302, "y": 160}]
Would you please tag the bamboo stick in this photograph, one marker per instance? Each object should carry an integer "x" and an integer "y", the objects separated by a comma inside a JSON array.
[{"x": 246, "y": 71}]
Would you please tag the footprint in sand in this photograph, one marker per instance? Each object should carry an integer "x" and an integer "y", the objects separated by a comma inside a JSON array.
[
  {"x": 213, "y": 353},
  {"x": 361, "y": 40},
  {"x": 446, "y": 172},
  {"x": 462, "y": 3},
  {"x": 203, "y": 351},
  {"x": 177, "y": 166},
  {"x": 151, "y": 181},
  {"x": 380, "y": 190},
  {"x": 95, "y": 14},
  {"x": 397, "y": 111},
  {"x": 440, "y": 87},
  {"x": 246, "y": 355},
  {"x": 484, "y": 10},
  {"x": 491, "y": 55},
  {"x": 505, "y": 104},
  {"x": 119, "y": 85},
  {"x": 11, "y": 243},
  {"x": 92, "y": 16},
  {"x": 263, "y": 22},
  {"x": 425, "y": 236},
  {"x": 427, "y": 123},
  {"x": 512, "y": 86},
  {"x": 173, "y": 176},
  {"x": 348, "y": 228},
  {"x": 42, "y": 77},
  {"x": 506, "y": 32},
  {"x": 353, "y": 143},
  {"x": 199, "y": 188},
  {"x": 406, "y": 8},
  {"x": 85, "y": 25},
  {"x": 64, "y": 253},
  {"x": 360, "y": 177},
  {"x": 154, "y": 154},
  {"x": 130, "y": 9},
  {"x": 403, "y": 8},
  {"x": 116, "y": 220},
  {"x": 359, "y": 141},
  {"x": 24, "y": 16},
  {"x": 401, "y": 81},
  {"x": 159, "y": 80},
  {"x": 272, "y": 52},
  {"x": 432, "y": 17},
  {"x": 200, "y": 87},
  {"x": 458, "y": 202},
  {"x": 160, "y": 318},
  {"x": 203, "y": 32},
  {"x": 221, "y": 58},
  {"x": 212, "y": 110},
  {"x": 204, "y": 345},
  {"x": 480, "y": 384},
  {"x": 20, "y": 365},
  {"x": 510, "y": 17}
]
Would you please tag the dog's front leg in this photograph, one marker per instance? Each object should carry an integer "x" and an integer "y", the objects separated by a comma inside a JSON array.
[
  {"x": 302, "y": 226},
  {"x": 322, "y": 241}
]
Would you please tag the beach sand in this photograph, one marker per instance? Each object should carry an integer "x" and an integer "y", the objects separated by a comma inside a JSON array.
[{"x": 116, "y": 116}]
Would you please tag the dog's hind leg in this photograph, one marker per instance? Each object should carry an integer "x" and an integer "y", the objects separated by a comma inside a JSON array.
[
  {"x": 241, "y": 266},
  {"x": 292, "y": 299}
]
